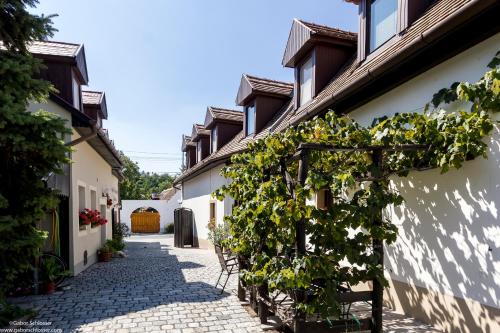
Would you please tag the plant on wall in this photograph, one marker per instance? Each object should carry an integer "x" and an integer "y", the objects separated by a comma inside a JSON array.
[
  {"x": 92, "y": 217},
  {"x": 272, "y": 203},
  {"x": 31, "y": 144}
]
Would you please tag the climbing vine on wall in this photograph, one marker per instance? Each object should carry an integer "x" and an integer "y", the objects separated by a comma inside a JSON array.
[{"x": 270, "y": 202}]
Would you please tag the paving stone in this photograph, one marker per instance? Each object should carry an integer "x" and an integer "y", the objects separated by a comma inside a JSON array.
[{"x": 156, "y": 288}]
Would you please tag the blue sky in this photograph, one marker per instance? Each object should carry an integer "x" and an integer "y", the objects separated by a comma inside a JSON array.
[{"x": 162, "y": 62}]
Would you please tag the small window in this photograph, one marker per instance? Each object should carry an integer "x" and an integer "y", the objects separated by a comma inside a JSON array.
[
  {"x": 76, "y": 93},
  {"x": 383, "y": 21},
  {"x": 306, "y": 77},
  {"x": 250, "y": 119},
  {"x": 212, "y": 212},
  {"x": 81, "y": 202},
  {"x": 324, "y": 199},
  {"x": 198, "y": 150},
  {"x": 213, "y": 136},
  {"x": 187, "y": 160},
  {"x": 93, "y": 199}
]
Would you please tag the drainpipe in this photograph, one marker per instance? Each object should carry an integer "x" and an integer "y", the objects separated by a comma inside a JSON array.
[{"x": 89, "y": 136}]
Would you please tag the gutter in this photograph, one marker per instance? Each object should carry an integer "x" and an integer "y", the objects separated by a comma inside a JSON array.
[
  {"x": 426, "y": 38},
  {"x": 84, "y": 138}
]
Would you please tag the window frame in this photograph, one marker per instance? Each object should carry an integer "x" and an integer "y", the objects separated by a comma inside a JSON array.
[
  {"x": 368, "y": 26},
  {"x": 247, "y": 107},
  {"x": 312, "y": 57},
  {"x": 212, "y": 204},
  {"x": 213, "y": 135},
  {"x": 199, "y": 153}
]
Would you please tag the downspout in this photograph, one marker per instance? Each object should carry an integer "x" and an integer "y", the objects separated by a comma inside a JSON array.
[{"x": 89, "y": 136}]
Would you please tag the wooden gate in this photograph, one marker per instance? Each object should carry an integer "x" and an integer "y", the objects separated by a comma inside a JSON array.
[{"x": 145, "y": 222}]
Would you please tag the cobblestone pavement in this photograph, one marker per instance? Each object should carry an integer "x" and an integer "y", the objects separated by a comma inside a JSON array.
[{"x": 157, "y": 288}]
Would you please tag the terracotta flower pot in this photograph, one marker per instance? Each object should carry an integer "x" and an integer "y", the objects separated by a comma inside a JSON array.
[
  {"x": 105, "y": 256},
  {"x": 49, "y": 287}
]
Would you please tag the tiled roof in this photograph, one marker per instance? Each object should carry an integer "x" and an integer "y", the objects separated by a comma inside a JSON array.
[
  {"x": 269, "y": 86},
  {"x": 168, "y": 193},
  {"x": 323, "y": 30},
  {"x": 92, "y": 97},
  {"x": 186, "y": 141},
  {"x": 225, "y": 114},
  {"x": 54, "y": 48},
  {"x": 237, "y": 144},
  {"x": 352, "y": 73},
  {"x": 198, "y": 130}
]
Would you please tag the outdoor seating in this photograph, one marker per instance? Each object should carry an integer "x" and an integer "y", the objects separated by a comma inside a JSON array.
[{"x": 229, "y": 266}]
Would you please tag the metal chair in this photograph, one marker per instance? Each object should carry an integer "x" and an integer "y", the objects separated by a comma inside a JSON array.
[{"x": 229, "y": 265}]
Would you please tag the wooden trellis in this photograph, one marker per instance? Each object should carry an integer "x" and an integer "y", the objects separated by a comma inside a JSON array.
[{"x": 299, "y": 323}]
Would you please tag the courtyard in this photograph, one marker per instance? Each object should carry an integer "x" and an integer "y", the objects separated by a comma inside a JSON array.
[{"x": 159, "y": 288}]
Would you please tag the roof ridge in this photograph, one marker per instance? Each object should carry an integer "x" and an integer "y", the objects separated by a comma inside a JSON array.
[
  {"x": 269, "y": 80},
  {"x": 224, "y": 109},
  {"x": 57, "y": 42},
  {"x": 306, "y": 23}
]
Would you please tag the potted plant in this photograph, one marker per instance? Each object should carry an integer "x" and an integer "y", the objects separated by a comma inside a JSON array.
[
  {"x": 50, "y": 272},
  {"x": 105, "y": 252},
  {"x": 92, "y": 217},
  {"x": 217, "y": 234}
]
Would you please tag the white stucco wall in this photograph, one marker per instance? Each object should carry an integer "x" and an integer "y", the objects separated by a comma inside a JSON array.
[
  {"x": 196, "y": 195},
  {"x": 449, "y": 229},
  {"x": 164, "y": 207},
  {"x": 90, "y": 171}
]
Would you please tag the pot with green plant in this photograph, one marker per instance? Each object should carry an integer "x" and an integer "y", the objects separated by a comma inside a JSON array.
[
  {"x": 105, "y": 252},
  {"x": 50, "y": 273},
  {"x": 217, "y": 234}
]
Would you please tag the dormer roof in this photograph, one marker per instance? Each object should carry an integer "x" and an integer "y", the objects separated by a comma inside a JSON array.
[
  {"x": 186, "y": 142},
  {"x": 215, "y": 114},
  {"x": 95, "y": 99},
  {"x": 68, "y": 52},
  {"x": 303, "y": 35},
  {"x": 252, "y": 85},
  {"x": 198, "y": 132}
]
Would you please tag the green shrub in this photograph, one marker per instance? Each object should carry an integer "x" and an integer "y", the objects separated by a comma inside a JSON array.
[
  {"x": 115, "y": 244},
  {"x": 169, "y": 228}
]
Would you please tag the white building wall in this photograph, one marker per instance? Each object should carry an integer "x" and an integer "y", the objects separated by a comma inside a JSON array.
[
  {"x": 449, "y": 230},
  {"x": 90, "y": 171},
  {"x": 164, "y": 207},
  {"x": 197, "y": 195}
]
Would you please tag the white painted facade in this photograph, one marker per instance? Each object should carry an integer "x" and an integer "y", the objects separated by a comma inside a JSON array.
[
  {"x": 197, "y": 195},
  {"x": 91, "y": 179},
  {"x": 164, "y": 207},
  {"x": 449, "y": 229}
]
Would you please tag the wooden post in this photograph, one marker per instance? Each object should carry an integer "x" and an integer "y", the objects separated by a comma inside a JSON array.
[
  {"x": 241, "y": 288},
  {"x": 263, "y": 296},
  {"x": 378, "y": 250},
  {"x": 300, "y": 243}
]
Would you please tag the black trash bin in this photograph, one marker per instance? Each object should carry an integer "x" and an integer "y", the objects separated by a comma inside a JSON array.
[{"x": 184, "y": 234}]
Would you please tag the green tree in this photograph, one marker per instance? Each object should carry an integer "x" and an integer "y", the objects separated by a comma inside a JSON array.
[
  {"x": 130, "y": 186},
  {"x": 31, "y": 145}
]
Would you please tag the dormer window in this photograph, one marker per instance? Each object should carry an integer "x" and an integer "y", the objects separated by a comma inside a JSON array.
[
  {"x": 213, "y": 137},
  {"x": 383, "y": 21},
  {"x": 306, "y": 80},
  {"x": 250, "y": 119},
  {"x": 76, "y": 93},
  {"x": 198, "y": 151}
]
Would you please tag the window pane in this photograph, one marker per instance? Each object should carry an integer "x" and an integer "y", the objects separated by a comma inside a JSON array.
[
  {"x": 306, "y": 81},
  {"x": 383, "y": 21},
  {"x": 198, "y": 148},
  {"x": 214, "y": 140},
  {"x": 250, "y": 119},
  {"x": 76, "y": 94}
]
